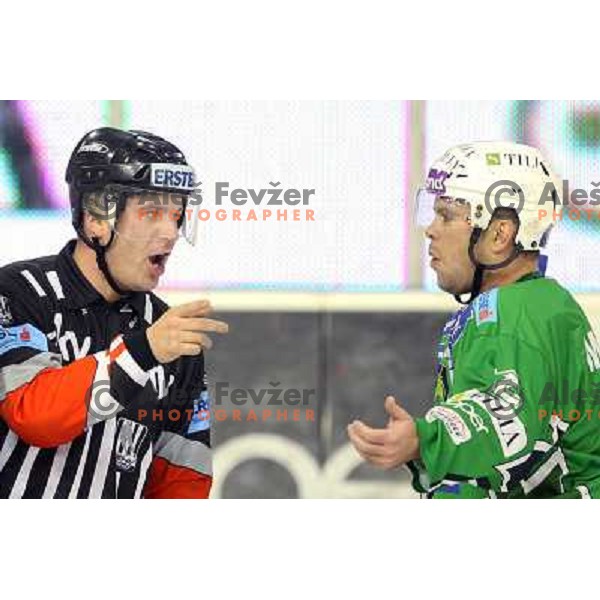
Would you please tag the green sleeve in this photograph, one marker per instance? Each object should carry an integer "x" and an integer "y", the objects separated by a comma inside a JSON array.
[{"x": 485, "y": 433}]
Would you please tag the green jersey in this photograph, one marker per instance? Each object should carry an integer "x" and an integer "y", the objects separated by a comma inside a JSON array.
[{"x": 516, "y": 405}]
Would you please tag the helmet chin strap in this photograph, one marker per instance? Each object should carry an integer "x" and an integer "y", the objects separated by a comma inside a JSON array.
[
  {"x": 100, "y": 251},
  {"x": 481, "y": 267}
]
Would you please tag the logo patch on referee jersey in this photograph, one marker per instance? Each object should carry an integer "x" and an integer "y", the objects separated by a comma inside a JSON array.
[
  {"x": 486, "y": 309},
  {"x": 201, "y": 418},
  {"x": 22, "y": 336},
  {"x": 130, "y": 436}
]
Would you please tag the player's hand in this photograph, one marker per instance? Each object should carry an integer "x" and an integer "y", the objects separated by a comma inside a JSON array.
[
  {"x": 181, "y": 331},
  {"x": 391, "y": 447}
]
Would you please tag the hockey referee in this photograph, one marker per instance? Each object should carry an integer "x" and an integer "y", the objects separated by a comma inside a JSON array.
[{"x": 102, "y": 388}]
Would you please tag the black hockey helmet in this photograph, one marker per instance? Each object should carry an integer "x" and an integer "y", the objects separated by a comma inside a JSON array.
[{"x": 112, "y": 157}]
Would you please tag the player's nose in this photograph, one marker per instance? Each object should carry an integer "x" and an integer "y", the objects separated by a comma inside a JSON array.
[
  {"x": 169, "y": 228},
  {"x": 429, "y": 230}
]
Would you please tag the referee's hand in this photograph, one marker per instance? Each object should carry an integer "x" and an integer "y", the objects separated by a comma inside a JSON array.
[{"x": 181, "y": 331}]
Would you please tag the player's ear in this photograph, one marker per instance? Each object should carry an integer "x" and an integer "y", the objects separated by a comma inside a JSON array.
[
  {"x": 499, "y": 236},
  {"x": 96, "y": 226},
  {"x": 505, "y": 234},
  {"x": 97, "y": 220}
]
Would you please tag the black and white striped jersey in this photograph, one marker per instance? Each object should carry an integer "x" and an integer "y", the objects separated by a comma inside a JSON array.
[{"x": 85, "y": 409}]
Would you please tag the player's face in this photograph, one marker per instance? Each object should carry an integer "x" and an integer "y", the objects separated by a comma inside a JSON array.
[
  {"x": 147, "y": 231},
  {"x": 449, "y": 234}
]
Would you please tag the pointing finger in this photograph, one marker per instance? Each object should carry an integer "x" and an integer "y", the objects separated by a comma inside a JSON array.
[{"x": 196, "y": 324}]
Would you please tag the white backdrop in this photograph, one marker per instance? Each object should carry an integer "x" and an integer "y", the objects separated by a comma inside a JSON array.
[
  {"x": 351, "y": 153},
  {"x": 354, "y": 154}
]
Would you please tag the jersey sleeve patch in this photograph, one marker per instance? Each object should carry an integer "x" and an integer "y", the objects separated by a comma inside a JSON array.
[
  {"x": 201, "y": 418},
  {"x": 455, "y": 426}
]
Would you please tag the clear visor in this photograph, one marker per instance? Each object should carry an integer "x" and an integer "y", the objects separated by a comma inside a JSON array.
[
  {"x": 149, "y": 216},
  {"x": 429, "y": 206}
]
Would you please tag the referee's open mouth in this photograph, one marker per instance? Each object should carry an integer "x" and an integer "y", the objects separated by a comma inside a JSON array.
[{"x": 158, "y": 263}]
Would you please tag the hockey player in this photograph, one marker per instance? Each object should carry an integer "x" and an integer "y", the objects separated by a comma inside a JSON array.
[
  {"x": 518, "y": 366},
  {"x": 102, "y": 391}
]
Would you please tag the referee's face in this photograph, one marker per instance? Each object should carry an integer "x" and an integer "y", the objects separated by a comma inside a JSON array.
[
  {"x": 146, "y": 234},
  {"x": 449, "y": 234}
]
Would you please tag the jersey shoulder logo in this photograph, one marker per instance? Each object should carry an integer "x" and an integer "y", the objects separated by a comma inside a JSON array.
[
  {"x": 486, "y": 307},
  {"x": 22, "y": 336}
]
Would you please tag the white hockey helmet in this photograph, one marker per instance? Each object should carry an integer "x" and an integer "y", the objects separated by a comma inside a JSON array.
[{"x": 488, "y": 175}]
